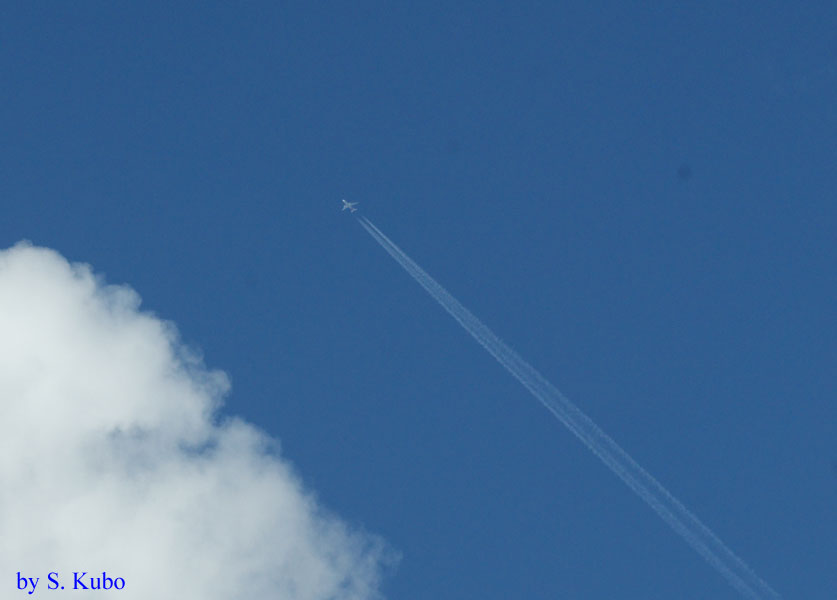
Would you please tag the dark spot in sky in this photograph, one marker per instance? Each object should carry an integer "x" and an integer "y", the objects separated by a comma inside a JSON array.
[{"x": 684, "y": 172}]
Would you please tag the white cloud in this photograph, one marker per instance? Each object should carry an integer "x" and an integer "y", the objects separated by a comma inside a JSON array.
[{"x": 112, "y": 459}]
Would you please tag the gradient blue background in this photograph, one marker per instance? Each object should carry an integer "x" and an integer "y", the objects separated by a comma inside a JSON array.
[{"x": 527, "y": 155}]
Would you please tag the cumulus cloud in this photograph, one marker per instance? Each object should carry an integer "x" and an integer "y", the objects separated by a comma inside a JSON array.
[{"x": 114, "y": 459}]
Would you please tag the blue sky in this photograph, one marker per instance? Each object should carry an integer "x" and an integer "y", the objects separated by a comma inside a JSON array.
[{"x": 531, "y": 158}]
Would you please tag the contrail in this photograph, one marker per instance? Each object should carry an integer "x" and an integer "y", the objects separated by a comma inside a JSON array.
[{"x": 670, "y": 510}]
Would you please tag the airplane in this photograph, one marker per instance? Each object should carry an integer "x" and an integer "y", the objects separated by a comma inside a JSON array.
[{"x": 349, "y": 205}]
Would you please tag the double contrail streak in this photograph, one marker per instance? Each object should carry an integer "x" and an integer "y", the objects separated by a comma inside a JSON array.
[{"x": 670, "y": 510}]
